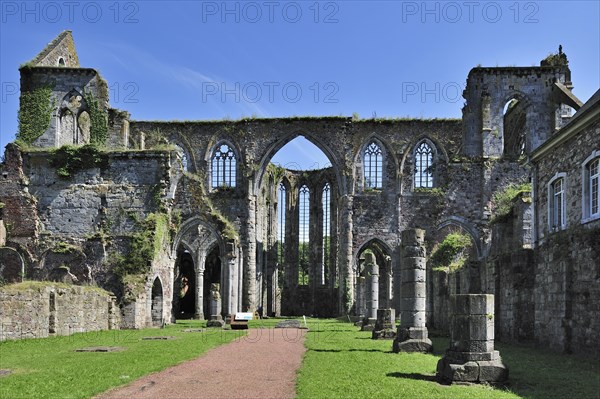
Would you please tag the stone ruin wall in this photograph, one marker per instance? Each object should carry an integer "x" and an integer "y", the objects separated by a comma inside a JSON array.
[
  {"x": 48, "y": 309},
  {"x": 567, "y": 262}
]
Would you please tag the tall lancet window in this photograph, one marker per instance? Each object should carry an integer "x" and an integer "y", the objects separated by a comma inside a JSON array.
[
  {"x": 326, "y": 262},
  {"x": 223, "y": 166},
  {"x": 423, "y": 166},
  {"x": 373, "y": 165},
  {"x": 303, "y": 235}
]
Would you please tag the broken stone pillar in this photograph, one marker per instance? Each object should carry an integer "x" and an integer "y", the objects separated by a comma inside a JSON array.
[
  {"x": 216, "y": 320},
  {"x": 360, "y": 300},
  {"x": 412, "y": 335},
  {"x": 471, "y": 357},
  {"x": 385, "y": 326},
  {"x": 372, "y": 270}
]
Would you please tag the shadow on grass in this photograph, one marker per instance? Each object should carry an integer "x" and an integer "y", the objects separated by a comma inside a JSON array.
[
  {"x": 414, "y": 376},
  {"x": 350, "y": 350}
]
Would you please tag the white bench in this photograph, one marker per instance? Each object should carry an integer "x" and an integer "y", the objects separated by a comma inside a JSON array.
[{"x": 240, "y": 320}]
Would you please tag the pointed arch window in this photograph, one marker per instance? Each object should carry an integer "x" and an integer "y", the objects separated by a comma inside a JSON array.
[
  {"x": 182, "y": 157},
  {"x": 281, "y": 207},
  {"x": 303, "y": 234},
  {"x": 423, "y": 166},
  {"x": 223, "y": 167},
  {"x": 326, "y": 261},
  {"x": 373, "y": 165}
]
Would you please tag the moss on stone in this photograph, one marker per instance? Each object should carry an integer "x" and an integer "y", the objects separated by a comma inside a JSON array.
[
  {"x": 35, "y": 114},
  {"x": 450, "y": 255},
  {"x": 98, "y": 120},
  {"x": 68, "y": 159},
  {"x": 64, "y": 248},
  {"x": 203, "y": 201},
  {"x": 145, "y": 245},
  {"x": 502, "y": 201}
]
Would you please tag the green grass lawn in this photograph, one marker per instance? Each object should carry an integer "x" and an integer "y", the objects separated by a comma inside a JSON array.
[
  {"x": 49, "y": 367},
  {"x": 342, "y": 362}
]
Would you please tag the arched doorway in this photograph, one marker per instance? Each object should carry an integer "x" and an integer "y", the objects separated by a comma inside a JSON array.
[
  {"x": 156, "y": 308},
  {"x": 212, "y": 274},
  {"x": 384, "y": 263},
  {"x": 184, "y": 293}
]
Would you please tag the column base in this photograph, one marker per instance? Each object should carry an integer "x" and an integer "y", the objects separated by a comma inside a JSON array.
[
  {"x": 475, "y": 372},
  {"x": 368, "y": 324},
  {"x": 412, "y": 339},
  {"x": 215, "y": 321}
]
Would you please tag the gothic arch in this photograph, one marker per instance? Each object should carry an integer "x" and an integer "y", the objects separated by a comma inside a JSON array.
[
  {"x": 388, "y": 159},
  {"x": 189, "y": 228},
  {"x": 68, "y": 112},
  {"x": 211, "y": 149},
  {"x": 367, "y": 243},
  {"x": 157, "y": 301},
  {"x": 467, "y": 227},
  {"x": 514, "y": 138},
  {"x": 272, "y": 149}
]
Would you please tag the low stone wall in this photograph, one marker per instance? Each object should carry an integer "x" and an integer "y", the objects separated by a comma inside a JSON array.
[{"x": 39, "y": 310}]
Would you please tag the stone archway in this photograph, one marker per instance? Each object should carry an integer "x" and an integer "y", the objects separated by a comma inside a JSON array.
[
  {"x": 156, "y": 308},
  {"x": 212, "y": 275},
  {"x": 382, "y": 255},
  {"x": 184, "y": 292},
  {"x": 12, "y": 267}
]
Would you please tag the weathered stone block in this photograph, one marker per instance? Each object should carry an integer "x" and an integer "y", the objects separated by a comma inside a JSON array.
[
  {"x": 412, "y": 319},
  {"x": 472, "y": 346},
  {"x": 472, "y": 304},
  {"x": 412, "y": 304},
  {"x": 412, "y": 237},
  {"x": 414, "y": 290},
  {"x": 413, "y": 263},
  {"x": 476, "y": 327},
  {"x": 412, "y": 345},
  {"x": 412, "y": 275},
  {"x": 468, "y": 356},
  {"x": 412, "y": 252}
]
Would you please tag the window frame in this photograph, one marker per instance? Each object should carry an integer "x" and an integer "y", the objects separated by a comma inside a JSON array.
[
  {"x": 587, "y": 185},
  {"x": 416, "y": 172},
  {"x": 233, "y": 179},
  {"x": 379, "y": 165},
  {"x": 326, "y": 232},
  {"x": 552, "y": 194},
  {"x": 304, "y": 198}
]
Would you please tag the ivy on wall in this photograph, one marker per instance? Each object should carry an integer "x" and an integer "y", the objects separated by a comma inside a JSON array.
[
  {"x": 69, "y": 159},
  {"x": 98, "y": 120},
  {"x": 35, "y": 114},
  {"x": 451, "y": 254},
  {"x": 145, "y": 245},
  {"x": 503, "y": 200}
]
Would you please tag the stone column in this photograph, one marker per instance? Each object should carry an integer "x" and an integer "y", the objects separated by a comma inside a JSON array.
[
  {"x": 360, "y": 288},
  {"x": 412, "y": 334},
  {"x": 471, "y": 356},
  {"x": 385, "y": 327},
  {"x": 374, "y": 288},
  {"x": 249, "y": 278},
  {"x": 199, "y": 295},
  {"x": 372, "y": 270},
  {"x": 346, "y": 290},
  {"x": 216, "y": 320}
]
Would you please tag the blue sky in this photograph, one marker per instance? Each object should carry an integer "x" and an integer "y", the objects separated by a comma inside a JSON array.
[{"x": 216, "y": 60}]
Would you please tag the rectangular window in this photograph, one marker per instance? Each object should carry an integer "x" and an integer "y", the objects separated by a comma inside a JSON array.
[
  {"x": 594, "y": 187},
  {"x": 557, "y": 205}
]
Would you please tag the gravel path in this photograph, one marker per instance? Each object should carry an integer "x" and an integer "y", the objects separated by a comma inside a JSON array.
[{"x": 262, "y": 364}]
